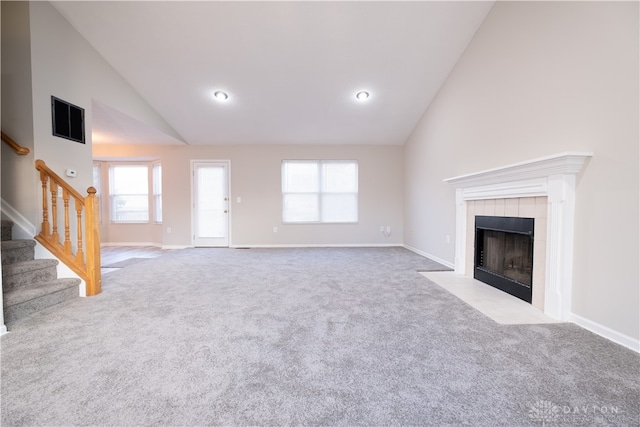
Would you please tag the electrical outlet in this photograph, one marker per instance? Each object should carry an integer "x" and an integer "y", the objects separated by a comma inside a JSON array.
[
  {"x": 448, "y": 238},
  {"x": 388, "y": 229},
  {"x": 168, "y": 230},
  {"x": 382, "y": 228},
  {"x": 275, "y": 229}
]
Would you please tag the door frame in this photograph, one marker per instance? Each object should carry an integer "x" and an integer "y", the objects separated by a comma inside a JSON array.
[{"x": 227, "y": 162}]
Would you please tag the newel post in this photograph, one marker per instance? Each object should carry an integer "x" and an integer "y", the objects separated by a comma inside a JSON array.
[{"x": 92, "y": 233}]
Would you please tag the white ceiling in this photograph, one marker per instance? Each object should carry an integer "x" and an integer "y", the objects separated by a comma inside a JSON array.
[{"x": 291, "y": 69}]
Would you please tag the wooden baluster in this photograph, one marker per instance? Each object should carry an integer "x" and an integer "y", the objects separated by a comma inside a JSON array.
[
  {"x": 53, "y": 187},
  {"x": 79, "y": 253},
  {"x": 45, "y": 206},
  {"x": 94, "y": 284},
  {"x": 67, "y": 234}
]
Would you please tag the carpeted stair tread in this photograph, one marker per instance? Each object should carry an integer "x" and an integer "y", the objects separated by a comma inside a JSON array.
[
  {"x": 16, "y": 244},
  {"x": 22, "y": 303},
  {"x": 28, "y": 273},
  {"x": 14, "y": 251},
  {"x": 21, "y": 295},
  {"x": 30, "y": 285},
  {"x": 26, "y": 266}
]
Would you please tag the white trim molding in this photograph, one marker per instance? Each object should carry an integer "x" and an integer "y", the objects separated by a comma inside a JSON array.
[
  {"x": 615, "y": 336},
  {"x": 25, "y": 229},
  {"x": 317, "y": 245},
  {"x": 431, "y": 257},
  {"x": 125, "y": 244},
  {"x": 552, "y": 176},
  {"x": 568, "y": 163}
]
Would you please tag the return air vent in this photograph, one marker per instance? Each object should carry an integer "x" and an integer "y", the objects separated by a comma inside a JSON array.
[{"x": 67, "y": 120}]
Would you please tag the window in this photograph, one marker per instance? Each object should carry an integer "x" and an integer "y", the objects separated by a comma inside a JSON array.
[
  {"x": 319, "y": 191},
  {"x": 129, "y": 193},
  {"x": 97, "y": 184},
  {"x": 157, "y": 192}
]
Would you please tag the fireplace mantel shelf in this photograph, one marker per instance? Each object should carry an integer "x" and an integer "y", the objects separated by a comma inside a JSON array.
[{"x": 557, "y": 164}]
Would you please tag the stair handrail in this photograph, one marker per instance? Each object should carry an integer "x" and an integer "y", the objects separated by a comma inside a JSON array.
[
  {"x": 85, "y": 264},
  {"x": 19, "y": 149}
]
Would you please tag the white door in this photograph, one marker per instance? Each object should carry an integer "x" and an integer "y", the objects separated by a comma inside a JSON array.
[{"x": 211, "y": 204}]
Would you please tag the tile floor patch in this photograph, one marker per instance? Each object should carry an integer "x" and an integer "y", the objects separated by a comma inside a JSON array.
[{"x": 493, "y": 303}]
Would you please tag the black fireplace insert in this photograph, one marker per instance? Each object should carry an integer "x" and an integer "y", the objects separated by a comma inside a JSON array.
[{"x": 504, "y": 254}]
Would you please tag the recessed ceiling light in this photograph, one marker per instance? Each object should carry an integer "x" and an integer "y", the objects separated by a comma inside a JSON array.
[
  {"x": 220, "y": 95},
  {"x": 363, "y": 95}
]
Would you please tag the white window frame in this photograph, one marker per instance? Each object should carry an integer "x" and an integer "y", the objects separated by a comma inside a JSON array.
[
  {"x": 156, "y": 184},
  {"x": 98, "y": 186},
  {"x": 319, "y": 191}
]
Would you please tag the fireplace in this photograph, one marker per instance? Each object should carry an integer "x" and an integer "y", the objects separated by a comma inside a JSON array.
[
  {"x": 508, "y": 191},
  {"x": 504, "y": 254}
]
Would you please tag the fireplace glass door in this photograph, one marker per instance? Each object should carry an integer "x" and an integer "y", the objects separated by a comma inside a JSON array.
[{"x": 504, "y": 254}]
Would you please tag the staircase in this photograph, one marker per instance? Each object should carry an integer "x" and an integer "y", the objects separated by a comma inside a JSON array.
[{"x": 29, "y": 285}]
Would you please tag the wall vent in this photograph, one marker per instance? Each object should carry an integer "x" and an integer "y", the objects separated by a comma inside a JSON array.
[{"x": 67, "y": 120}]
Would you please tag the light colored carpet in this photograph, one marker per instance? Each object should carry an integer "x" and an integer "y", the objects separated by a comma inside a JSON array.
[{"x": 302, "y": 337}]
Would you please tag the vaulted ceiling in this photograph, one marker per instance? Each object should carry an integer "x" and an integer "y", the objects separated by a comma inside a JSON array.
[{"x": 291, "y": 69}]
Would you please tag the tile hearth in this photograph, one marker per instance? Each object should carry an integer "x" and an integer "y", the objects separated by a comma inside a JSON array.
[{"x": 493, "y": 303}]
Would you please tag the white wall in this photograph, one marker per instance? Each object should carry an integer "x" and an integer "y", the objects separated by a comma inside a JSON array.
[
  {"x": 55, "y": 60},
  {"x": 44, "y": 56},
  {"x": 255, "y": 177},
  {"x": 19, "y": 178},
  {"x": 541, "y": 78},
  {"x": 65, "y": 65}
]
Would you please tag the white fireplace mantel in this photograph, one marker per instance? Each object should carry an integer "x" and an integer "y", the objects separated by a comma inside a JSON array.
[{"x": 553, "y": 177}]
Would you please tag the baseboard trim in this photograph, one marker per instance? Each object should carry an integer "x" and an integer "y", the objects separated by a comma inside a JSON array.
[
  {"x": 27, "y": 230},
  {"x": 431, "y": 257},
  {"x": 124, "y": 244},
  {"x": 346, "y": 245},
  {"x": 175, "y": 247},
  {"x": 605, "y": 332},
  {"x": 3, "y": 329}
]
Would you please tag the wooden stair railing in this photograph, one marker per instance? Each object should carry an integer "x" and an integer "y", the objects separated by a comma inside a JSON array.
[
  {"x": 14, "y": 145},
  {"x": 85, "y": 262}
]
